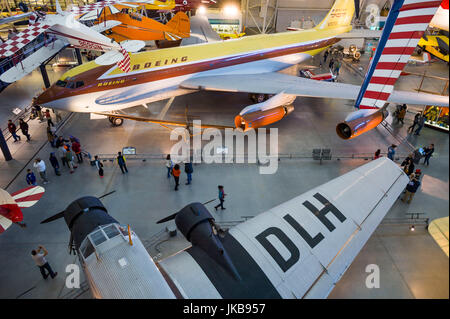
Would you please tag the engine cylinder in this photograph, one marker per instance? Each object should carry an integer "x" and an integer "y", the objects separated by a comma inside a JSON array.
[
  {"x": 350, "y": 129},
  {"x": 257, "y": 119}
]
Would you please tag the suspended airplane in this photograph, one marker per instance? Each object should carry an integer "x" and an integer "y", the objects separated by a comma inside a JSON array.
[
  {"x": 67, "y": 31},
  {"x": 188, "y": 5},
  {"x": 10, "y": 205},
  {"x": 250, "y": 64},
  {"x": 298, "y": 249},
  {"x": 135, "y": 26}
]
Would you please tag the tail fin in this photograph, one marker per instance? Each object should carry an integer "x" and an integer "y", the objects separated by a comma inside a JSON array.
[
  {"x": 180, "y": 25},
  {"x": 58, "y": 7},
  {"x": 340, "y": 15}
]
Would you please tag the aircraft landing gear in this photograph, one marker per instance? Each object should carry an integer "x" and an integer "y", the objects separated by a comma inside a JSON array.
[{"x": 115, "y": 121}]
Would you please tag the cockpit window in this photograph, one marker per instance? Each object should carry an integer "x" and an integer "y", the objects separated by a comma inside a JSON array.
[
  {"x": 98, "y": 237},
  {"x": 86, "y": 248},
  {"x": 79, "y": 84},
  {"x": 111, "y": 231},
  {"x": 70, "y": 85},
  {"x": 61, "y": 83}
]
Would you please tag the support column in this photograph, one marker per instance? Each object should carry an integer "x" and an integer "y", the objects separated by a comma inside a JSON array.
[
  {"x": 44, "y": 76},
  {"x": 4, "y": 147},
  {"x": 78, "y": 53}
]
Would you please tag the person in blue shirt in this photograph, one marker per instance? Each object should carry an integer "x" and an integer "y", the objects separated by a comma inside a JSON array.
[
  {"x": 221, "y": 197},
  {"x": 411, "y": 189},
  {"x": 391, "y": 152},
  {"x": 31, "y": 178},
  {"x": 121, "y": 161},
  {"x": 188, "y": 170}
]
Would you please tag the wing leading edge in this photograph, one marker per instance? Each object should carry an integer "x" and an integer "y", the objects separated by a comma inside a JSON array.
[{"x": 274, "y": 83}]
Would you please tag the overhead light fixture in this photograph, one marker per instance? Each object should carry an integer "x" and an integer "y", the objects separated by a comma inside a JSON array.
[
  {"x": 230, "y": 10},
  {"x": 201, "y": 10}
]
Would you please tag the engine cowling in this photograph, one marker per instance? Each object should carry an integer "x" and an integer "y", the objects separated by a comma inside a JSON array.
[
  {"x": 360, "y": 122},
  {"x": 253, "y": 120}
]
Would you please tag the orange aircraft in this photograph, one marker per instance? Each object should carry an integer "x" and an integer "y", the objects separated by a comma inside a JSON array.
[{"x": 135, "y": 26}]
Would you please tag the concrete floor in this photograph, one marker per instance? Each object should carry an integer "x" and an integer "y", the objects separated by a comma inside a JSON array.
[{"x": 412, "y": 264}]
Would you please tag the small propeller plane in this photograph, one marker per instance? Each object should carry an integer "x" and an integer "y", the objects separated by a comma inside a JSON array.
[
  {"x": 10, "y": 205},
  {"x": 68, "y": 31}
]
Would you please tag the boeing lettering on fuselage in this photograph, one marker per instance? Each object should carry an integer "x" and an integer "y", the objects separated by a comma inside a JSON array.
[
  {"x": 312, "y": 241},
  {"x": 159, "y": 63}
]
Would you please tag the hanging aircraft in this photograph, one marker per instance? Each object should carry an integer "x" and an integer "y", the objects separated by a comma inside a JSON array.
[
  {"x": 10, "y": 205},
  {"x": 67, "y": 31},
  {"x": 298, "y": 249},
  {"x": 188, "y": 5},
  {"x": 250, "y": 64},
  {"x": 135, "y": 26}
]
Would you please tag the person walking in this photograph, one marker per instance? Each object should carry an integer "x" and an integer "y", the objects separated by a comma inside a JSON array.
[
  {"x": 377, "y": 154},
  {"x": 122, "y": 162},
  {"x": 12, "y": 129},
  {"x": 176, "y": 175},
  {"x": 69, "y": 160},
  {"x": 54, "y": 162},
  {"x": 408, "y": 165},
  {"x": 51, "y": 136},
  {"x": 411, "y": 189},
  {"x": 325, "y": 55},
  {"x": 401, "y": 114},
  {"x": 420, "y": 124},
  {"x": 99, "y": 166},
  {"x": 415, "y": 122},
  {"x": 188, "y": 169},
  {"x": 337, "y": 67},
  {"x": 24, "y": 128},
  {"x": 391, "y": 152},
  {"x": 61, "y": 152},
  {"x": 39, "y": 165},
  {"x": 76, "y": 147},
  {"x": 39, "y": 258},
  {"x": 49, "y": 118},
  {"x": 31, "y": 178},
  {"x": 428, "y": 153},
  {"x": 330, "y": 66},
  {"x": 221, "y": 197},
  {"x": 169, "y": 165},
  {"x": 38, "y": 110}
]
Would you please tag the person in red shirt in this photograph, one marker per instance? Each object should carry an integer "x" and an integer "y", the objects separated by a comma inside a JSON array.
[
  {"x": 76, "y": 147},
  {"x": 176, "y": 175},
  {"x": 12, "y": 129},
  {"x": 49, "y": 118}
]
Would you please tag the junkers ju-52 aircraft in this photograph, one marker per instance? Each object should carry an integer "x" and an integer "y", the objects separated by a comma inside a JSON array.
[{"x": 298, "y": 249}]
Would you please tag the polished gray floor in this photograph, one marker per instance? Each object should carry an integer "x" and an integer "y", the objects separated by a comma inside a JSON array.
[{"x": 411, "y": 264}]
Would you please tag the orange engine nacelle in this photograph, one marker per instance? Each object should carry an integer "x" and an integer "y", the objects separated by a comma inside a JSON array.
[
  {"x": 360, "y": 122},
  {"x": 256, "y": 119}
]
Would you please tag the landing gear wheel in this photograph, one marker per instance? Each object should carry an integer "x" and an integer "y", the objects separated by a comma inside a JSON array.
[{"x": 115, "y": 121}]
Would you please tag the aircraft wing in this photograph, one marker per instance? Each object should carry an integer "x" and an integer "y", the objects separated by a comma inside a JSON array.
[
  {"x": 13, "y": 45},
  {"x": 94, "y": 10},
  {"x": 274, "y": 83},
  {"x": 299, "y": 249},
  {"x": 15, "y": 18},
  {"x": 33, "y": 61},
  {"x": 106, "y": 25}
]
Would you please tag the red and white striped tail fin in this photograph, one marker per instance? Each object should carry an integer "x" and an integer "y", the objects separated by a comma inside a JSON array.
[
  {"x": 405, "y": 25},
  {"x": 29, "y": 196},
  {"x": 124, "y": 64}
]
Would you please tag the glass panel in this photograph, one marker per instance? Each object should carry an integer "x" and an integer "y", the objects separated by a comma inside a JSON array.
[
  {"x": 79, "y": 84},
  {"x": 98, "y": 237},
  {"x": 111, "y": 231},
  {"x": 61, "y": 83},
  {"x": 86, "y": 248}
]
